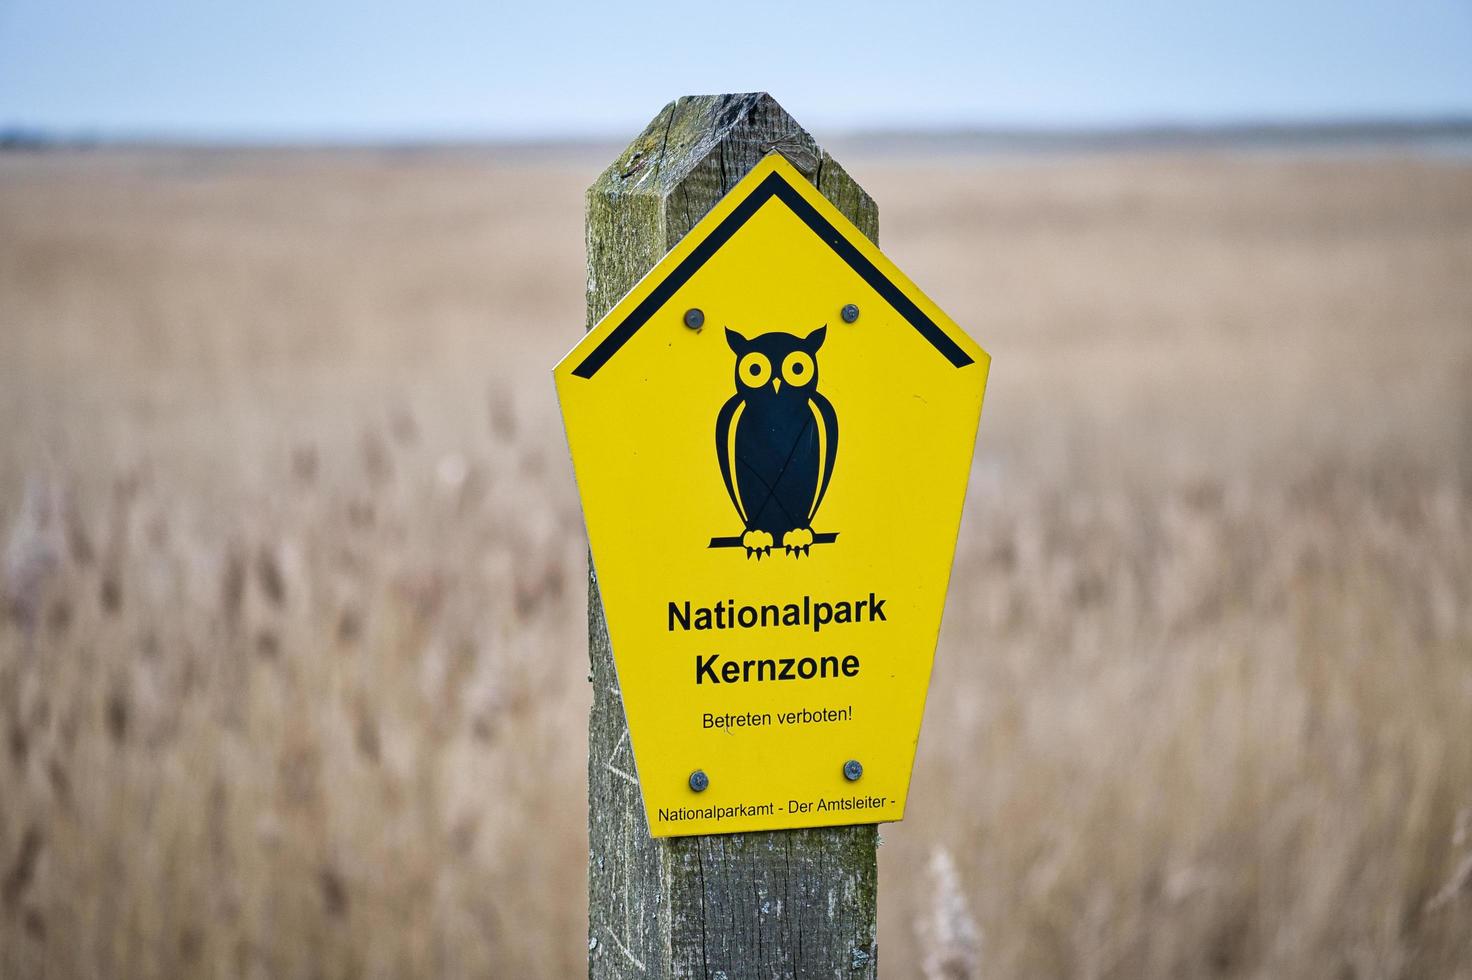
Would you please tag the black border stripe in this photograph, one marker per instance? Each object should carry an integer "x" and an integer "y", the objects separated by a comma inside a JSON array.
[
  {"x": 660, "y": 295},
  {"x": 846, "y": 250},
  {"x": 773, "y": 185}
]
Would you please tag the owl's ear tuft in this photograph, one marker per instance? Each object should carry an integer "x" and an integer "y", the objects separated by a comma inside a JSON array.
[
  {"x": 736, "y": 342},
  {"x": 814, "y": 340}
]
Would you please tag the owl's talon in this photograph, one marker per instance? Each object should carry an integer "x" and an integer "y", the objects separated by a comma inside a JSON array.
[
  {"x": 757, "y": 543},
  {"x": 798, "y": 540}
]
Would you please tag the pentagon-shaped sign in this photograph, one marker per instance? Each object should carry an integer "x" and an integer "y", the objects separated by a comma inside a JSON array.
[{"x": 771, "y": 434}]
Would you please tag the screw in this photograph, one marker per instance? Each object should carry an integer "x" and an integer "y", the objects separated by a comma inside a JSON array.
[
  {"x": 699, "y": 780},
  {"x": 694, "y": 318},
  {"x": 850, "y": 313},
  {"x": 852, "y": 770}
]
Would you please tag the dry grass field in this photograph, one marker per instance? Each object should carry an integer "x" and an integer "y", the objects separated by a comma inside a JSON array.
[{"x": 291, "y": 659}]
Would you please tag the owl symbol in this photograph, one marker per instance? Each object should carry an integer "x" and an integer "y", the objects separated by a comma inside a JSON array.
[{"x": 776, "y": 440}]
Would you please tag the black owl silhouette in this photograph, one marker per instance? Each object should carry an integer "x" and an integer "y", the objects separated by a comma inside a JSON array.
[{"x": 777, "y": 439}]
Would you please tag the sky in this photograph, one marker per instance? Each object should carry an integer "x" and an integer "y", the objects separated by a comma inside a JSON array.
[{"x": 443, "y": 69}]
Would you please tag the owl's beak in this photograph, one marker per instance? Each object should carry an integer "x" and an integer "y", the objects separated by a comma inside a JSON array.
[{"x": 776, "y": 384}]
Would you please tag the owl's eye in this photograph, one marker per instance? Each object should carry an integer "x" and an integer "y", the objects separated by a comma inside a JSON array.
[
  {"x": 797, "y": 368},
  {"x": 754, "y": 370}
]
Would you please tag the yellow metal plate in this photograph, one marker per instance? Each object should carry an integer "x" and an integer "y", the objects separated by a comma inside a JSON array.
[{"x": 772, "y": 503}]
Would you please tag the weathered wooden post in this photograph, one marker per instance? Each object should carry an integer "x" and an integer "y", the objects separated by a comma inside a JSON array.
[
  {"x": 742, "y": 905},
  {"x": 741, "y": 317}
]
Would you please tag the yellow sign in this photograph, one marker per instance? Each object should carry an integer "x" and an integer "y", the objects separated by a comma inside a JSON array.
[{"x": 771, "y": 434}]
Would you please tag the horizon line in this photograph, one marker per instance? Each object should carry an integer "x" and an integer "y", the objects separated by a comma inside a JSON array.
[{"x": 15, "y": 135}]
